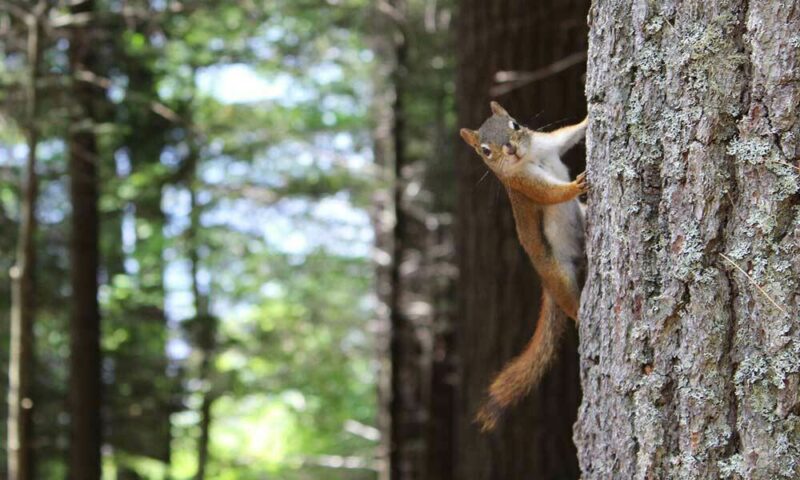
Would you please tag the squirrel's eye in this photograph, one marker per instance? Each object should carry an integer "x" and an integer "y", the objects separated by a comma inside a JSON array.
[
  {"x": 486, "y": 150},
  {"x": 513, "y": 125}
]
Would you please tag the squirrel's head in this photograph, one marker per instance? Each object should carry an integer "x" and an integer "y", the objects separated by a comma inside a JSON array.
[{"x": 501, "y": 142}]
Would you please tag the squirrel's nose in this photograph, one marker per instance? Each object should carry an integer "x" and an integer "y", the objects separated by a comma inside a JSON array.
[{"x": 510, "y": 149}]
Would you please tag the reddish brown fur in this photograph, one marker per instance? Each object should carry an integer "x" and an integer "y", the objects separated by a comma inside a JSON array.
[
  {"x": 559, "y": 283},
  {"x": 530, "y": 194},
  {"x": 527, "y": 369}
]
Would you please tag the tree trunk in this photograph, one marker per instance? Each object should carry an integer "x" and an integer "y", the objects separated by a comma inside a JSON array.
[
  {"x": 207, "y": 333},
  {"x": 23, "y": 296},
  {"x": 205, "y": 322},
  {"x": 203, "y": 441},
  {"x": 143, "y": 395},
  {"x": 690, "y": 315},
  {"x": 414, "y": 229},
  {"x": 499, "y": 292},
  {"x": 407, "y": 405},
  {"x": 85, "y": 384}
]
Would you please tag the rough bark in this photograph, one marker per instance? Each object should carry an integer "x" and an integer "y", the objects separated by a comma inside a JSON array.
[
  {"x": 23, "y": 291},
  {"x": 689, "y": 333},
  {"x": 499, "y": 292},
  {"x": 84, "y": 383}
]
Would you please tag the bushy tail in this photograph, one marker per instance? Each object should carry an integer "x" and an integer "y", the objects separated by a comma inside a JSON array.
[{"x": 527, "y": 369}]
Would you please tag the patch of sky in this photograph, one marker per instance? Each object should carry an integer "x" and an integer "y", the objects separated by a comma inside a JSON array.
[
  {"x": 122, "y": 162},
  {"x": 173, "y": 156},
  {"x": 326, "y": 73},
  {"x": 215, "y": 147},
  {"x": 53, "y": 196},
  {"x": 49, "y": 149},
  {"x": 327, "y": 151},
  {"x": 18, "y": 154},
  {"x": 203, "y": 281},
  {"x": 240, "y": 83},
  {"x": 129, "y": 229},
  {"x": 262, "y": 45},
  {"x": 339, "y": 149},
  {"x": 178, "y": 349},
  {"x": 117, "y": 88},
  {"x": 131, "y": 266},
  {"x": 298, "y": 226},
  {"x": 213, "y": 171},
  {"x": 287, "y": 157},
  {"x": 158, "y": 40},
  {"x": 345, "y": 104},
  {"x": 216, "y": 44},
  {"x": 176, "y": 203},
  {"x": 343, "y": 141},
  {"x": 237, "y": 214},
  {"x": 177, "y": 283},
  {"x": 237, "y": 169},
  {"x": 273, "y": 289}
]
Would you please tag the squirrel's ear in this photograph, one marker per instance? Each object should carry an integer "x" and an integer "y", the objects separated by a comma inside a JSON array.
[
  {"x": 498, "y": 110},
  {"x": 471, "y": 137}
]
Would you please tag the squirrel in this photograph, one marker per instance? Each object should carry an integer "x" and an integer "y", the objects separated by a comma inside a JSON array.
[{"x": 549, "y": 222}]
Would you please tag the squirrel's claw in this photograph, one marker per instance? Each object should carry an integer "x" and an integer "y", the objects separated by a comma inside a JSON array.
[{"x": 582, "y": 183}]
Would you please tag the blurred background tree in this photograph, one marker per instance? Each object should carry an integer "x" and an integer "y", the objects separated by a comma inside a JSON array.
[
  {"x": 244, "y": 238},
  {"x": 531, "y": 59}
]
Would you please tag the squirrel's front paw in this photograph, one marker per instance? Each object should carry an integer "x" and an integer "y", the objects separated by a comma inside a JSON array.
[{"x": 581, "y": 183}]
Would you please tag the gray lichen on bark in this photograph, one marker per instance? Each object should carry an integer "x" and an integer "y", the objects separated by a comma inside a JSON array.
[{"x": 690, "y": 331}]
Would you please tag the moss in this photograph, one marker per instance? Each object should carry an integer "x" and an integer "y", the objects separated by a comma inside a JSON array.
[
  {"x": 760, "y": 151},
  {"x": 752, "y": 151},
  {"x": 787, "y": 184},
  {"x": 750, "y": 371},
  {"x": 739, "y": 251},
  {"x": 787, "y": 450},
  {"x": 762, "y": 218},
  {"x": 691, "y": 255},
  {"x": 732, "y": 467},
  {"x": 654, "y": 25},
  {"x": 785, "y": 363},
  {"x": 649, "y": 59}
]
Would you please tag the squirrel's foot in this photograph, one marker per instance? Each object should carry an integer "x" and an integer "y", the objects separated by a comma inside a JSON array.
[{"x": 581, "y": 183}]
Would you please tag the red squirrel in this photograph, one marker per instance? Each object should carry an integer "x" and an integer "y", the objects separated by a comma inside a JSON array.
[{"x": 549, "y": 222}]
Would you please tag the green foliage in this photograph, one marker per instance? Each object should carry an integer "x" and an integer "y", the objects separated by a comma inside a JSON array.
[{"x": 281, "y": 243}]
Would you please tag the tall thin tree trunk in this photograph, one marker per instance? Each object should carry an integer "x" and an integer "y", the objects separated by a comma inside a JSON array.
[
  {"x": 407, "y": 406},
  {"x": 23, "y": 293},
  {"x": 412, "y": 152},
  {"x": 206, "y": 323},
  {"x": 382, "y": 219},
  {"x": 498, "y": 289},
  {"x": 203, "y": 441},
  {"x": 690, "y": 330},
  {"x": 440, "y": 277},
  {"x": 84, "y": 384}
]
